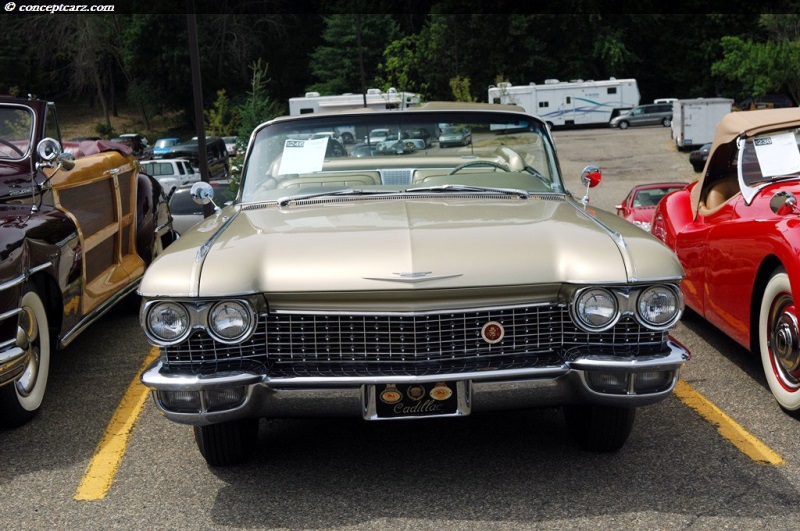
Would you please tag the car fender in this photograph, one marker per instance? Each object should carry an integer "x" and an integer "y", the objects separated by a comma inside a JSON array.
[{"x": 671, "y": 215}]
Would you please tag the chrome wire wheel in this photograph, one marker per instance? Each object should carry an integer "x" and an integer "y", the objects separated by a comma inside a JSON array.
[{"x": 779, "y": 341}]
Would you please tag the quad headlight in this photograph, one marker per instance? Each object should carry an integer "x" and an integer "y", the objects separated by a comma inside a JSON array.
[
  {"x": 659, "y": 306},
  {"x": 167, "y": 322},
  {"x": 230, "y": 321},
  {"x": 596, "y": 309},
  {"x": 171, "y": 322}
]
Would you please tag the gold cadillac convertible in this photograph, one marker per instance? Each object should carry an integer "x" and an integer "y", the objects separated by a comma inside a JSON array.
[{"x": 396, "y": 279}]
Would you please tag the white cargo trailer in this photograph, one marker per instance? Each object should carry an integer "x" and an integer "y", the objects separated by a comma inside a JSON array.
[
  {"x": 562, "y": 103},
  {"x": 694, "y": 121}
]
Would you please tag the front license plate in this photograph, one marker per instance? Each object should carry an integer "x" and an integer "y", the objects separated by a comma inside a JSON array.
[{"x": 414, "y": 400}]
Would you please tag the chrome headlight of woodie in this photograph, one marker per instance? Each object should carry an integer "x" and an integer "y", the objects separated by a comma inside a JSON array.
[
  {"x": 170, "y": 322},
  {"x": 596, "y": 309}
]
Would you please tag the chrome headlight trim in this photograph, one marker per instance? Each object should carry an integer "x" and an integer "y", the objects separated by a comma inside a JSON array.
[
  {"x": 167, "y": 314},
  {"x": 229, "y": 312},
  {"x": 595, "y": 297},
  {"x": 659, "y": 291}
]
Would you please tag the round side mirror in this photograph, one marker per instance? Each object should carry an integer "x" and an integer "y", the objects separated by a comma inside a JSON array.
[
  {"x": 591, "y": 176},
  {"x": 783, "y": 203},
  {"x": 48, "y": 149},
  {"x": 202, "y": 193}
]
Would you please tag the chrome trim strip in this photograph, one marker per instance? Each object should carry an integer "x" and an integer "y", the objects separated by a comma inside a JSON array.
[
  {"x": 416, "y": 314},
  {"x": 10, "y": 313},
  {"x": 23, "y": 277},
  {"x": 616, "y": 237},
  {"x": 206, "y": 247},
  {"x": 98, "y": 312}
]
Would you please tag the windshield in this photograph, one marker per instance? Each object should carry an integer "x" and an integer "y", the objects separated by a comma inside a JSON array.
[
  {"x": 766, "y": 158},
  {"x": 400, "y": 151},
  {"x": 16, "y": 131}
]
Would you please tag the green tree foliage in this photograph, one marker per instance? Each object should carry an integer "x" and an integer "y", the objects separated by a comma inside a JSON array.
[
  {"x": 256, "y": 109},
  {"x": 337, "y": 64},
  {"x": 142, "y": 59},
  {"x": 460, "y": 87},
  {"x": 754, "y": 65},
  {"x": 221, "y": 119}
]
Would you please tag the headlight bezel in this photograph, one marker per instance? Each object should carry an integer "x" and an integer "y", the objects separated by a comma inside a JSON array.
[
  {"x": 596, "y": 290},
  {"x": 628, "y": 298},
  {"x": 199, "y": 318},
  {"x": 248, "y": 329},
  {"x": 676, "y": 315},
  {"x": 148, "y": 325}
]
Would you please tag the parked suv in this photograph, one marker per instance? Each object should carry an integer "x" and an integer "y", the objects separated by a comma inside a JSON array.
[
  {"x": 171, "y": 173},
  {"x": 652, "y": 114}
]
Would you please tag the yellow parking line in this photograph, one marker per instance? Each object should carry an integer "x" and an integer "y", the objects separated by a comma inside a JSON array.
[
  {"x": 747, "y": 443},
  {"x": 100, "y": 472}
]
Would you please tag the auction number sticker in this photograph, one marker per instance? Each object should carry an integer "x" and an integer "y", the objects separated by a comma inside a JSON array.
[
  {"x": 302, "y": 156},
  {"x": 777, "y": 154}
]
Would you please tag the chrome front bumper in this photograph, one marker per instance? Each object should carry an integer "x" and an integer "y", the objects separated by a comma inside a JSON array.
[
  {"x": 261, "y": 396},
  {"x": 13, "y": 361}
]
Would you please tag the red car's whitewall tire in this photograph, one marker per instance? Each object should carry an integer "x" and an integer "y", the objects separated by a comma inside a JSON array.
[{"x": 778, "y": 341}]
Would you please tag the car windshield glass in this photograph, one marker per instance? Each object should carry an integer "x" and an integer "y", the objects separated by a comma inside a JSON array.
[
  {"x": 652, "y": 196},
  {"x": 16, "y": 131},
  {"x": 770, "y": 157},
  {"x": 494, "y": 150}
]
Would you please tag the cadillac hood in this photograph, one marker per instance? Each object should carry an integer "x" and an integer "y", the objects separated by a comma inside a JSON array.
[{"x": 406, "y": 244}]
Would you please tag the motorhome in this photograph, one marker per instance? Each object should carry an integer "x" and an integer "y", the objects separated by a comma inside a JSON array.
[
  {"x": 562, "y": 103},
  {"x": 375, "y": 99}
]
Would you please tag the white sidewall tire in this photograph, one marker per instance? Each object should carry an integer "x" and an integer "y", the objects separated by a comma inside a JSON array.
[
  {"x": 33, "y": 400},
  {"x": 788, "y": 399}
]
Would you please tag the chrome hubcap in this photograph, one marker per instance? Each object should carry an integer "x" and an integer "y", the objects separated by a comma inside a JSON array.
[{"x": 27, "y": 338}]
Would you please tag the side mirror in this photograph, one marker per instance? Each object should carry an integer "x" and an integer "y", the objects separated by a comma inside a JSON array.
[
  {"x": 202, "y": 193},
  {"x": 783, "y": 203},
  {"x": 590, "y": 177},
  {"x": 48, "y": 149}
]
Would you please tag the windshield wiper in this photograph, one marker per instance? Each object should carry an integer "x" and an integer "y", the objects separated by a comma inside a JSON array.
[
  {"x": 522, "y": 194},
  {"x": 283, "y": 201}
]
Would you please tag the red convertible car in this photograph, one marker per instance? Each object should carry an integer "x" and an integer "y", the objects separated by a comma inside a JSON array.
[
  {"x": 641, "y": 201},
  {"x": 736, "y": 232}
]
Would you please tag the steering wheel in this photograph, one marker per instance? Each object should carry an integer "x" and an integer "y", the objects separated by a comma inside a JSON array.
[
  {"x": 478, "y": 163},
  {"x": 12, "y": 146}
]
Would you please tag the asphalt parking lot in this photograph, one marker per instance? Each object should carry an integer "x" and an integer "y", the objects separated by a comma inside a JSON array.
[{"x": 515, "y": 470}]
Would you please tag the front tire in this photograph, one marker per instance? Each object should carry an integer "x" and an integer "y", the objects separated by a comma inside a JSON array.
[
  {"x": 623, "y": 124},
  {"x": 227, "y": 443},
  {"x": 599, "y": 428},
  {"x": 666, "y": 122},
  {"x": 21, "y": 400},
  {"x": 778, "y": 334}
]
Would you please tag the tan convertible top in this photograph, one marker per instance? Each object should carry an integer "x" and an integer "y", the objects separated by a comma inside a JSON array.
[{"x": 734, "y": 125}]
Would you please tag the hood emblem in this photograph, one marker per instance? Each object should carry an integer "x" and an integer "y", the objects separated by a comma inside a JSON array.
[
  {"x": 493, "y": 332},
  {"x": 411, "y": 277}
]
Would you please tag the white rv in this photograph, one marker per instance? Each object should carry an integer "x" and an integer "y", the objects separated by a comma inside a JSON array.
[
  {"x": 694, "y": 121},
  {"x": 571, "y": 103},
  {"x": 375, "y": 99}
]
